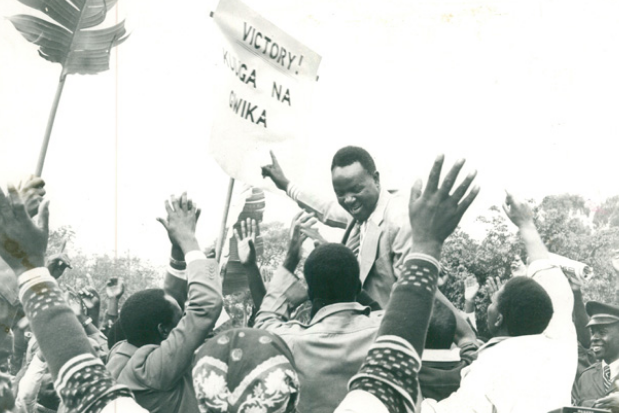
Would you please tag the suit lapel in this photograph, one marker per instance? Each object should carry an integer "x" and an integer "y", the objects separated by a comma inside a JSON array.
[{"x": 369, "y": 248}]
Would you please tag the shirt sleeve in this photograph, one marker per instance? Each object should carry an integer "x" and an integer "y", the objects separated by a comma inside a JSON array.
[
  {"x": 552, "y": 279},
  {"x": 329, "y": 212},
  {"x": 284, "y": 293},
  {"x": 167, "y": 363}
]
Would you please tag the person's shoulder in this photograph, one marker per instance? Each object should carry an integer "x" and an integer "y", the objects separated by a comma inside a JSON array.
[{"x": 593, "y": 369}]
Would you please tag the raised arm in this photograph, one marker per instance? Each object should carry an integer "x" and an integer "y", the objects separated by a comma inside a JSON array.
[
  {"x": 329, "y": 212},
  {"x": 22, "y": 245},
  {"x": 549, "y": 276},
  {"x": 245, "y": 241},
  {"x": 387, "y": 381},
  {"x": 285, "y": 292},
  {"x": 167, "y": 363}
]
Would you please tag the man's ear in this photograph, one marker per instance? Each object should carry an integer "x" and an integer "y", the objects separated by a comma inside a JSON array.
[
  {"x": 499, "y": 321},
  {"x": 376, "y": 177},
  {"x": 164, "y": 332}
]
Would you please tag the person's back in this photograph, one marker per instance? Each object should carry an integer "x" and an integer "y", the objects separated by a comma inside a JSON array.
[
  {"x": 531, "y": 363},
  {"x": 330, "y": 351},
  {"x": 331, "y": 348}
]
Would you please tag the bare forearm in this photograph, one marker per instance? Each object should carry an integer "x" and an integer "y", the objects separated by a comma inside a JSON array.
[
  {"x": 533, "y": 243},
  {"x": 256, "y": 284}
]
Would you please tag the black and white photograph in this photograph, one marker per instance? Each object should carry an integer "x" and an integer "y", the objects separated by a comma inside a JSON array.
[{"x": 243, "y": 206}]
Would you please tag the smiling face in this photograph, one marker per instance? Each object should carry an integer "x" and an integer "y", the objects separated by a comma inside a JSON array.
[
  {"x": 605, "y": 341},
  {"x": 357, "y": 190}
]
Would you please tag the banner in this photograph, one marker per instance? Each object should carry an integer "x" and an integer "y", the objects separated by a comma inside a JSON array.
[{"x": 264, "y": 90}]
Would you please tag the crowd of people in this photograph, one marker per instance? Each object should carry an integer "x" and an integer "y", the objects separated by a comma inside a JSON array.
[{"x": 381, "y": 337}]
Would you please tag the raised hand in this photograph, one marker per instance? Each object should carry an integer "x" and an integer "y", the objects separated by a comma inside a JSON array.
[
  {"x": 58, "y": 263},
  {"x": 22, "y": 241},
  {"x": 471, "y": 287},
  {"x": 181, "y": 223},
  {"x": 32, "y": 192},
  {"x": 246, "y": 241},
  {"x": 114, "y": 288},
  {"x": 276, "y": 173},
  {"x": 518, "y": 211},
  {"x": 493, "y": 285},
  {"x": 293, "y": 256},
  {"x": 435, "y": 214}
]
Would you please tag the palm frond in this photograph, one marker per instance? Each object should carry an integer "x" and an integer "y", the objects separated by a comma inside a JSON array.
[{"x": 69, "y": 39}]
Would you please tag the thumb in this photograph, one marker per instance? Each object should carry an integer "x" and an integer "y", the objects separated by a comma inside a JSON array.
[
  {"x": 415, "y": 191},
  {"x": 164, "y": 223},
  {"x": 44, "y": 215}
]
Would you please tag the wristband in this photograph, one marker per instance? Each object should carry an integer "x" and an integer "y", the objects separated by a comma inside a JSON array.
[
  {"x": 177, "y": 265},
  {"x": 87, "y": 322}
]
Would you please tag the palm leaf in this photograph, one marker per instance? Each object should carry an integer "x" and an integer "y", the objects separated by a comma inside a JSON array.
[{"x": 68, "y": 38}]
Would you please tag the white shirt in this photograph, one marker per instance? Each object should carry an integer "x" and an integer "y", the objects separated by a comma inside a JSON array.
[{"x": 526, "y": 374}]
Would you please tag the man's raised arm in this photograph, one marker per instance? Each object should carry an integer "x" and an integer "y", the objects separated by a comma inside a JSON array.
[
  {"x": 329, "y": 212},
  {"x": 549, "y": 276}
]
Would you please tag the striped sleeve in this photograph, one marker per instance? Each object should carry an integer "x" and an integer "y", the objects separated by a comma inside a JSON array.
[{"x": 81, "y": 379}]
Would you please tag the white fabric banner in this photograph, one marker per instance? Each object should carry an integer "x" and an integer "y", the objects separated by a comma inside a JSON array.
[{"x": 263, "y": 94}]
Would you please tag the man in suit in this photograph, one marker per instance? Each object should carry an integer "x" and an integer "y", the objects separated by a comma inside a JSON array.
[
  {"x": 596, "y": 382},
  {"x": 376, "y": 222}
]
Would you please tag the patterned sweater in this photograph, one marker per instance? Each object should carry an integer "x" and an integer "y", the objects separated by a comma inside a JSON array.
[{"x": 80, "y": 378}]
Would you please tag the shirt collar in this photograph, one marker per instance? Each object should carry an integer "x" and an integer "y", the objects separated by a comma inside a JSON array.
[
  {"x": 614, "y": 368},
  {"x": 379, "y": 210},
  {"x": 331, "y": 309}
]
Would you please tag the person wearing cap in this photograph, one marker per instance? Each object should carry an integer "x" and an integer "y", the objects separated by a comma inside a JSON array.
[{"x": 596, "y": 382}]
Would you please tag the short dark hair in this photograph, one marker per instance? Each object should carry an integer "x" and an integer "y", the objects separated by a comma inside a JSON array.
[
  {"x": 141, "y": 315},
  {"x": 332, "y": 274},
  {"x": 351, "y": 154},
  {"x": 525, "y": 306},
  {"x": 442, "y": 328}
]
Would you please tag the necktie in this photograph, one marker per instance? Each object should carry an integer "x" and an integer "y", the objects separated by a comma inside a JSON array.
[
  {"x": 607, "y": 382},
  {"x": 354, "y": 238}
]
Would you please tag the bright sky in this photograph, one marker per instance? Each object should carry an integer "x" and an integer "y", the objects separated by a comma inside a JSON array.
[{"x": 527, "y": 91}]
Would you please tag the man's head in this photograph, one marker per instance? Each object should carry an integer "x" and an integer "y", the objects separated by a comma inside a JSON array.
[
  {"x": 442, "y": 328},
  {"x": 148, "y": 316},
  {"x": 332, "y": 275},
  {"x": 355, "y": 181},
  {"x": 521, "y": 307},
  {"x": 604, "y": 325}
]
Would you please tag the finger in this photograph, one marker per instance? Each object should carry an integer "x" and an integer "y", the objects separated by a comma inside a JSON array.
[
  {"x": 198, "y": 213},
  {"x": 415, "y": 192},
  {"x": 274, "y": 159},
  {"x": 450, "y": 178},
  {"x": 164, "y": 223},
  {"x": 243, "y": 229},
  {"x": 254, "y": 229},
  {"x": 464, "y": 186},
  {"x": 435, "y": 175},
  {"x": 63, "y": 245},
  {"x": 175, "y": 203},
  {"x": 6, "y": 212},
  {"x": 36, "y": 182},
  {"x": 19, "y": 210},
  {"x": 189, "y": 204},
  {"x": 237, "y": 235},
  {"x": 44, "y": 216},
  {"x": 183, "y": 202},
  {"x": 466, "y": 203},
  {"x": 168, "y": 207}
]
